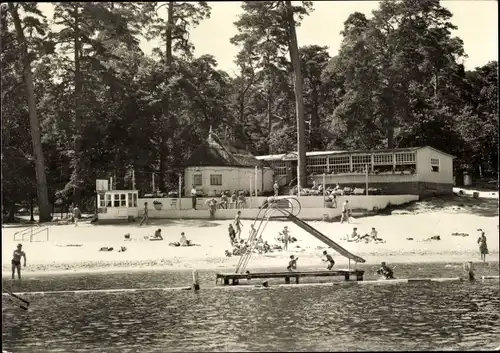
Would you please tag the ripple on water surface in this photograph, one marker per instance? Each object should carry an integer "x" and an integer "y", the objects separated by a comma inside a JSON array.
[{"x": 415, "y": 316}]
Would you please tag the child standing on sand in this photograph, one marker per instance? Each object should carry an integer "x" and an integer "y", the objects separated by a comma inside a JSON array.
[{"x": 483, "y": 246}]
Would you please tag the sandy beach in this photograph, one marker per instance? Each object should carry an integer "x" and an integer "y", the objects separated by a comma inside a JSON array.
[{"x": 76, "y": 249}]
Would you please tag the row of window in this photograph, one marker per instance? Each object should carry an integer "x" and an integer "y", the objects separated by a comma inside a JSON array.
[
  {"x": 215, "y": 179},
  {"x": 117, "y": 200},
  {"x": 378, "y": 159}
]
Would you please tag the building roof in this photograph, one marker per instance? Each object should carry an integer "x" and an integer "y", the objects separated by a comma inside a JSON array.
[
  {"x": 293, "y": 155},
  {"x": 212, "y": 152}
]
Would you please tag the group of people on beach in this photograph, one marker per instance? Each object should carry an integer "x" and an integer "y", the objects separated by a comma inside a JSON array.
[{"x": 357, "y": 237}]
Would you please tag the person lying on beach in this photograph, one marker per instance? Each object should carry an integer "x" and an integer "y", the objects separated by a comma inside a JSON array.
[
  {"x": 105, "y": 248},
  {"x": 385, "y": 271},
  {"x": 292, "y": 265},
  {"x": 328, "y": 258},
  {"x": 127, "y": 237},
  {"x": 434, "y": 237}
]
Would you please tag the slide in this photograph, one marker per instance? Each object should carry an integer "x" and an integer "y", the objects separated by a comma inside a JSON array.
[{"x": 324, "y": 239}]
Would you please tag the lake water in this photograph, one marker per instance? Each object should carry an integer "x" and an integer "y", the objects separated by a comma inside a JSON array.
[{"x": 414, "y": 316}]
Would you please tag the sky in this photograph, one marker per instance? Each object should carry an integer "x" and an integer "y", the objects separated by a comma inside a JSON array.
[{"x": 477, "y": 22}]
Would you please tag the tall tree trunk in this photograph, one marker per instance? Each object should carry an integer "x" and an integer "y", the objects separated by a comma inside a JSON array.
[
  {"x": 166, "y": 103},
  {"x": 299, "y": 101},
  {"x": 314, "y": 139},
  {"x": 269, "y": 112},
  {"x": 78, "y": 122},
  {"x": 41, "y": 178}
]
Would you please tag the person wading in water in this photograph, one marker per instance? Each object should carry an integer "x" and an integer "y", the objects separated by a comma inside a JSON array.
[{"x": 16, "y": 260}]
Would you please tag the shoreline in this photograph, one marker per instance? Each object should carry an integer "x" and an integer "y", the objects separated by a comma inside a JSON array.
[
  {"x": 407, "y": 234},
  {"x": 223, "y": 265}
]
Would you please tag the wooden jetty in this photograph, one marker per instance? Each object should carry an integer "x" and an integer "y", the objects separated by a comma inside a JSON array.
[{"x": 235, "y": 277}]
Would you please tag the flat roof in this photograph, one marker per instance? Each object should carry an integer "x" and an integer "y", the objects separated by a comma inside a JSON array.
[{"x": 293, "y": 155}]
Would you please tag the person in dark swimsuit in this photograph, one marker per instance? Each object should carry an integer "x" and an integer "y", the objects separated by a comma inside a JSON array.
[
  {"x": 16, "y": 260},
  {"x": 292, "y": 265},
  {"x": 329, "y": 259},
  {"x": 385, "y": 271},
  {"x": 232, "y": 234}
]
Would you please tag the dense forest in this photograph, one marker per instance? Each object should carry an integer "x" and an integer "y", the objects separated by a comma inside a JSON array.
[{"x": 84, "y": 102}]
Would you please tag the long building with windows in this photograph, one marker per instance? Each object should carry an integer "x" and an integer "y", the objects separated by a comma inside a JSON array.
[{"x": 416, "y": 170}]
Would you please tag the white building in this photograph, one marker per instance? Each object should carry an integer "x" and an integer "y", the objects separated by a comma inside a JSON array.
[
  {"x": 416, "y": 170},
  {"x": 214, "y": 167}
]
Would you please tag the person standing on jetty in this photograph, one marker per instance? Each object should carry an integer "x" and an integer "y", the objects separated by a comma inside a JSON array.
[
  {"x": 193, "y": 197},
  {"x": 16, "y": 260},
  {"x": 276, "y": 188},
  {"x": 328, "y": 258},
  {"x": 238, "y": 225},
  {"x": 292, "y": 265},
  {"x": 145, "y": 217},
  {"x": 483, "y": 246}
]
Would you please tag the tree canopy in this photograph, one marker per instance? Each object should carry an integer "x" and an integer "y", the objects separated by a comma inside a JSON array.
[{"x": 103, "y": 107}]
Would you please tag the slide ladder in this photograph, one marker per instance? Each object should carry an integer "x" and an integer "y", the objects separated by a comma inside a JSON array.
[
  {"x": 277, "y": 205},
  {"x": 261, "y": 222}
]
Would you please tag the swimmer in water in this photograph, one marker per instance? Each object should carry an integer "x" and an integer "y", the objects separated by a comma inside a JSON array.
[
  {"x": 292, "y": 265},
  {"x": 385, "y": 271},
  {"x": 16, "y": 260}
]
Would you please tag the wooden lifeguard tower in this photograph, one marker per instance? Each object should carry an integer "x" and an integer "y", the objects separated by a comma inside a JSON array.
[{"x": 115, "y": 204}]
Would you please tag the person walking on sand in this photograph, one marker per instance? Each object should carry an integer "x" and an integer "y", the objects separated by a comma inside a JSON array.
[
  {"x": 76, "y": 215},
  {"x": 145, "y": 217},
  {"x": 483, "y": 246},
  {"x": 232, "y": 234},
  {"x": 193, "y": 197},
  {"x": 238, "y": 225},
  {"x": 328, "y": 258},
  {"x": 344, "y": 216},
  {"x": 16, "y": 260}
]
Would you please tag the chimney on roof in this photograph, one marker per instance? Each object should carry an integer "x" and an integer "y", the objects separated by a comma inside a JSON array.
[{"x": 210, "y": 134}]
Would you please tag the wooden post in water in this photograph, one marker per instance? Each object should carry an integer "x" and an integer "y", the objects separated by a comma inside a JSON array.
[
  {"x": 196, "y": 283},
  {"x": 469, "y": 268}
]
